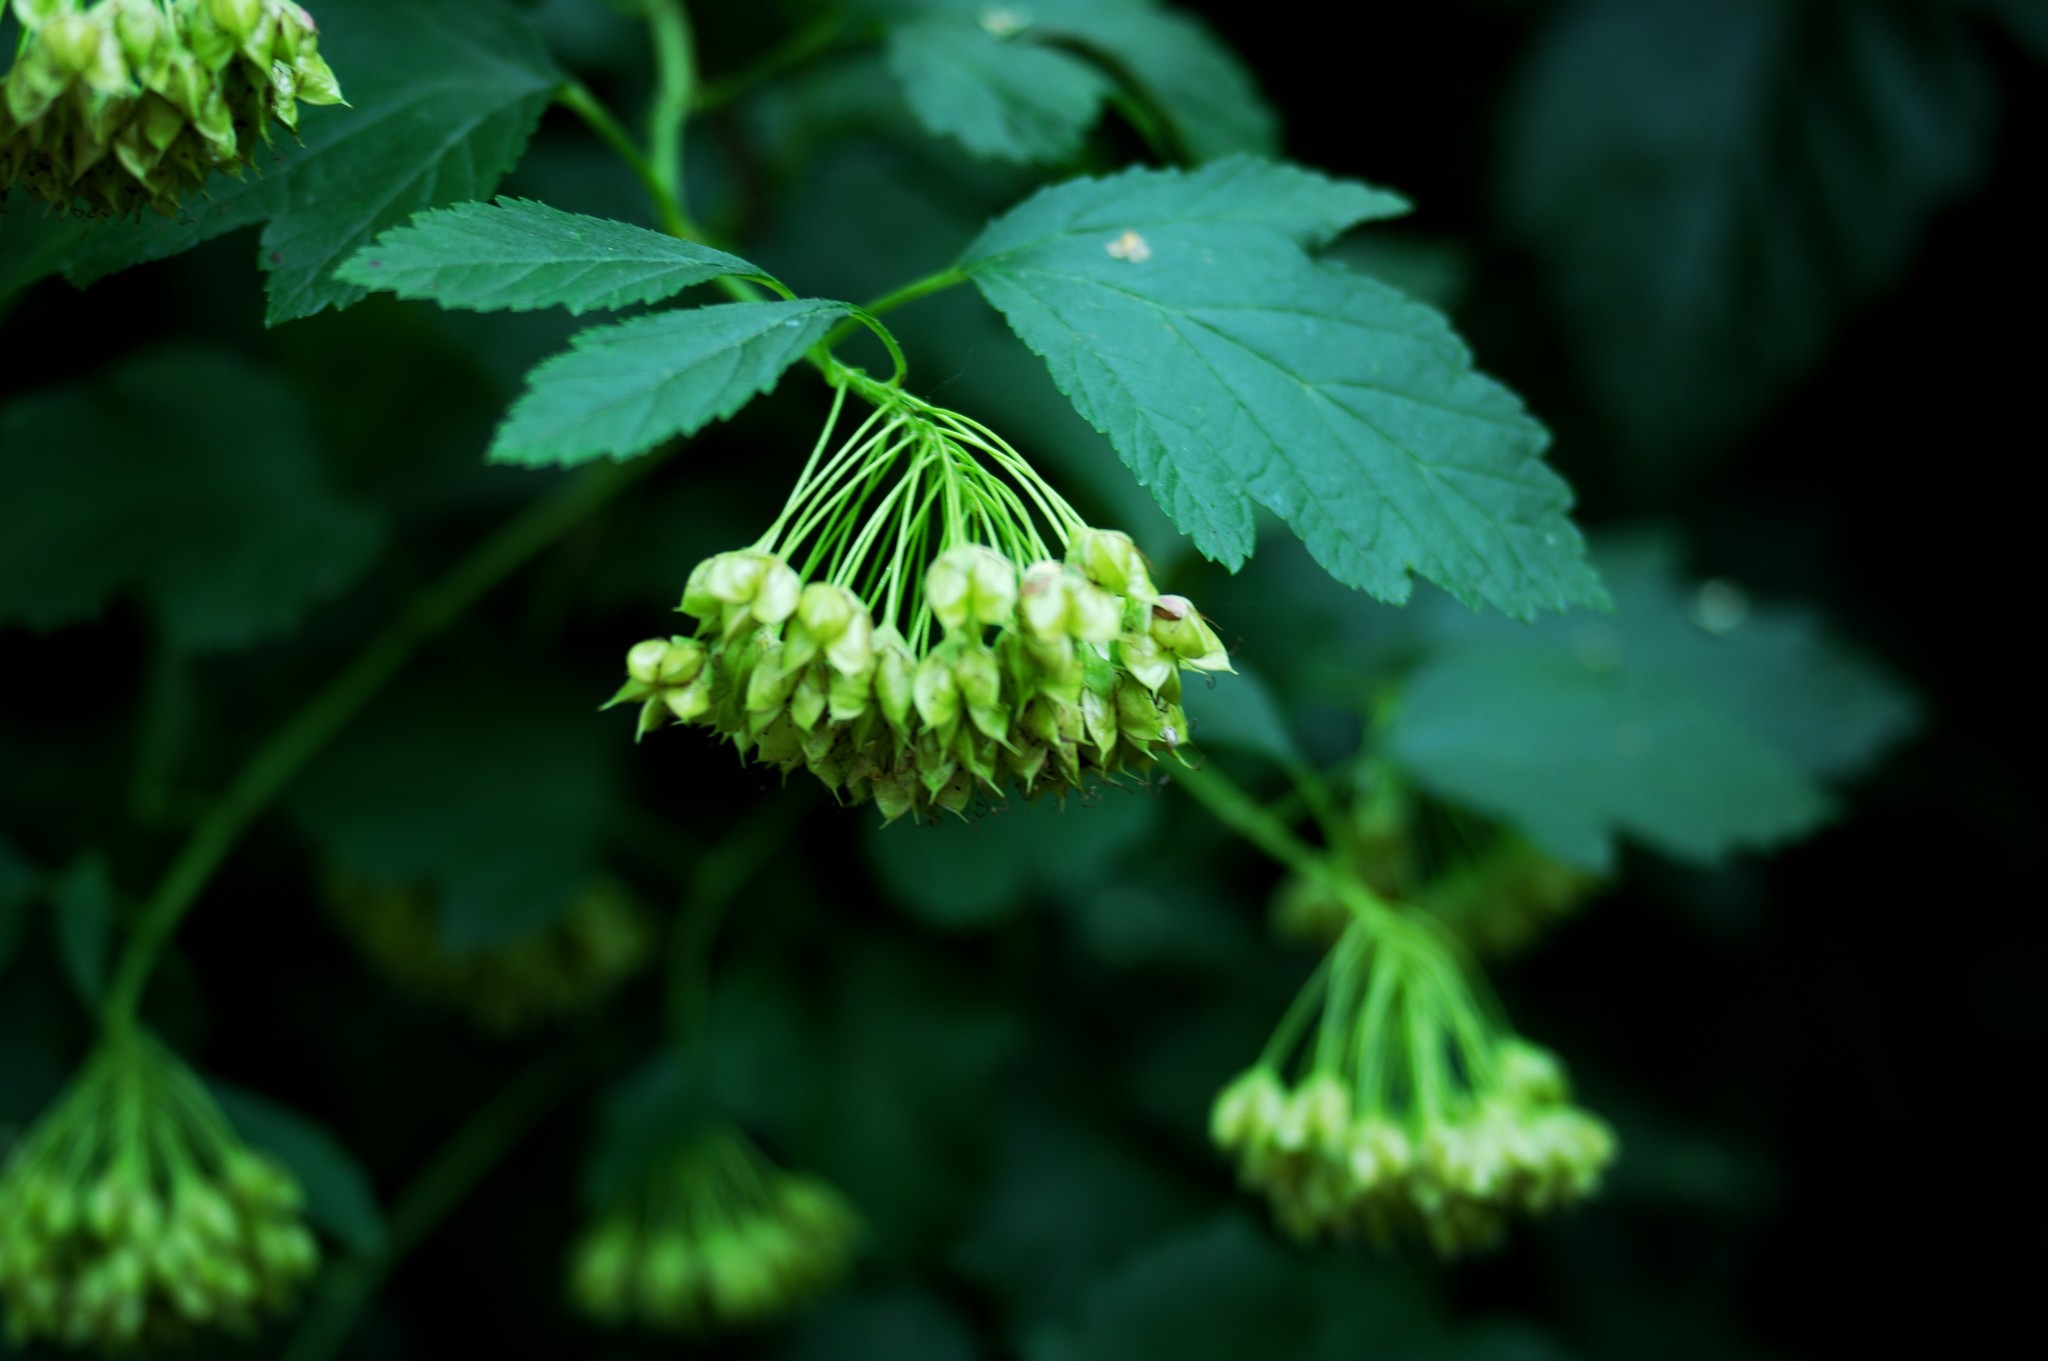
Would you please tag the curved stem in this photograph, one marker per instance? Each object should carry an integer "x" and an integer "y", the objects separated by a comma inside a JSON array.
[
  {"x": 438, "y": 1189},
  {"x": 280, "y": 758},
  {"x": 803, "y": 45},
  {"x": 675, "y": 67},
  {"x": 715, "y": 880}
]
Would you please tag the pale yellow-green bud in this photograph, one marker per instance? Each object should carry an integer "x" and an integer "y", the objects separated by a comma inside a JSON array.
[
  {"x": 1108, "y": 558},
  {"x": 1184, "y": 633},
  {"x": 936, "y": 691},
  {"x": 1247, "y": 1111}
]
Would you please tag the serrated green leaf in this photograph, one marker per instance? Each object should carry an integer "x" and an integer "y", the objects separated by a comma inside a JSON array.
[
  {"x": 340, "y": 1200},
  {"x": 620, "y": 390},
  {"x": 1712, "y": 185},
  {"x": 1181, "y": 316},
  {"x": 442, "y": 98},
  {"x": 493, "y": 797},
  {"x": 960, "y": 875},
  {"x": 517, "y": 255},
  {"x": 1645, "y": 724},
  {"x": 88, "y": 471},
  {"x": 18, "y": 885},
  {"x": 82, "y": 899},
  {"x": 1011, "y": 100}
]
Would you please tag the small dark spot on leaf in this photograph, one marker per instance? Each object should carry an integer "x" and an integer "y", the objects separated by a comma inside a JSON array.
[{"x": 277, "y": 257}]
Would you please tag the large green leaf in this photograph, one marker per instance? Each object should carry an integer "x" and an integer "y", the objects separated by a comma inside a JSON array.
[
  {"x": 1712, "y": 184},
  {"x": 340, "y": 1200},
  {"x": 518, "y": 255},
  {"x": 492, "y": 796},
  {"x": 619, "y": 390},
  {"x": 1182, "y": 316},
  {"x": 1003, "y": 98},
  {"x": 188, "y": 477},
  {"x": 1698, "y": 741},
  {"x": 442, "y": 99}
]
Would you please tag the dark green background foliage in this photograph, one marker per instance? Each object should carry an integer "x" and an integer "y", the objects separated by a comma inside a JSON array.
[{"x": 1764, "y": 269}]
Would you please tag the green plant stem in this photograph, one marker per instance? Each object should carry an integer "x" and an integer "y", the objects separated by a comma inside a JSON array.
[
  {"x": 434, "y": 1193},
  {"x": 806, "y": 43},
  {"x": 715, "y": 880},
  {"x": 274, "y": 764},
  {"x": 1232, "y": 806},
  {"x": 577, "y": 99},
  {"x": 675, "y": 70}
]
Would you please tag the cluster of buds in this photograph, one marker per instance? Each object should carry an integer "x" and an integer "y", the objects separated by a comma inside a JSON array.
[
  {"x": 132, "y": 1215},
  {"x": 905, "y": 633},
  {"x": 118, "y": 105},
  {"x": 564, "y": 968},
  {"x": 715, "y": 1236},
  {"x": 1494, "y": 889},
  {"x": 1411, "y": 1110}
]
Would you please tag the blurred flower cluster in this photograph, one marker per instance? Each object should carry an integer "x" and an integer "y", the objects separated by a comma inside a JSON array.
[{"x": 133, "y": 1215}]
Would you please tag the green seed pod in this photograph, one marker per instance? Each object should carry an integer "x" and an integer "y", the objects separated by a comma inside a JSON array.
[{"x": 1110, "y": 560}]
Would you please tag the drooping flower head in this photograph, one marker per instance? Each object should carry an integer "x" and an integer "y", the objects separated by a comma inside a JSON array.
[
  {"x": 559, "y": 969},
  {"x": 927, "y": 619},
  {"x": 714, "y": 1236},
  {"x": 117, "y": 105},
  {"x": 1390, "y": 1100},
  {"x": 133, "y": 1215}
]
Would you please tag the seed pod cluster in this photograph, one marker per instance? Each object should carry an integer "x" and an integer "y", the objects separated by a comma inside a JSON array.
[
  {"x": 716, "y": 1237},
  {"x": 1413, "y": 1113},
  {"x": 117, "y": 105},
  {"x": 566, "y": 967},
  {"x": 1046, "y": 675},
  {"x": 132, "y": 1215},
  {"x": 907, "y": 633}
]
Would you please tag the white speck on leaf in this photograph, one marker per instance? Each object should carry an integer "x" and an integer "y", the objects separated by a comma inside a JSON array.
[
  {"x": 1002, "y": 23},
  {"x": 1130, "y": 246}
]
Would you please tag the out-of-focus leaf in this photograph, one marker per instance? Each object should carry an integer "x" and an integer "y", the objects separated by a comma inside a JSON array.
[
  {"x": 340, "y": 1200},
  {"x": 620, "y": 390},
  {"x": 652, "y": 1109},
  {"x": 442, "y": 99},
  {"x": 18, "y": 885},
  {"x": 1697, "y": 740},
  {"x": 493, "y": 797},
  {"x": 1012, "y": 82},
  {"x": 83, "y": 901},
  {"x": 1713, "y": 184},
  {"x": 961, "y": 875},
  {"x": 881, "y": 1325},
  {"x": 912, "y": 1052},
  {"x": 188, "y": 476},
  {"x": 1012, "y": 100},
  {"x": 517, "y": 255},
  {"x": 1182, "y": 316},
  {"x": 1237, "y": 713},
  {"x": 1064, "y": 1203},
  {"x": 1226, "y": 1292}
]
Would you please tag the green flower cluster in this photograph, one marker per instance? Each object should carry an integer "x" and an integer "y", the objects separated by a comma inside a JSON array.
[
  {"x": 132, "y": 1215},
  {"x": 564, "y": 968},
  {"x": 118, "y": 105},
  {"x": 715, "y": 1237},
  {"x": 905, "y": 633},
  {"x": 1412, "y": 1110}
]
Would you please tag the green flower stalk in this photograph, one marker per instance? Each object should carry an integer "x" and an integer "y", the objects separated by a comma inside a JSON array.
[
  {"x": 566, "y": 968},
  {"x": 714, "y": 1237},
  {"x": 118, "y": 105},
  {"x": 132, "y": 1215},
  {"x": 1409, "y": 1108},
  {"x": 908, "y": 632}
]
